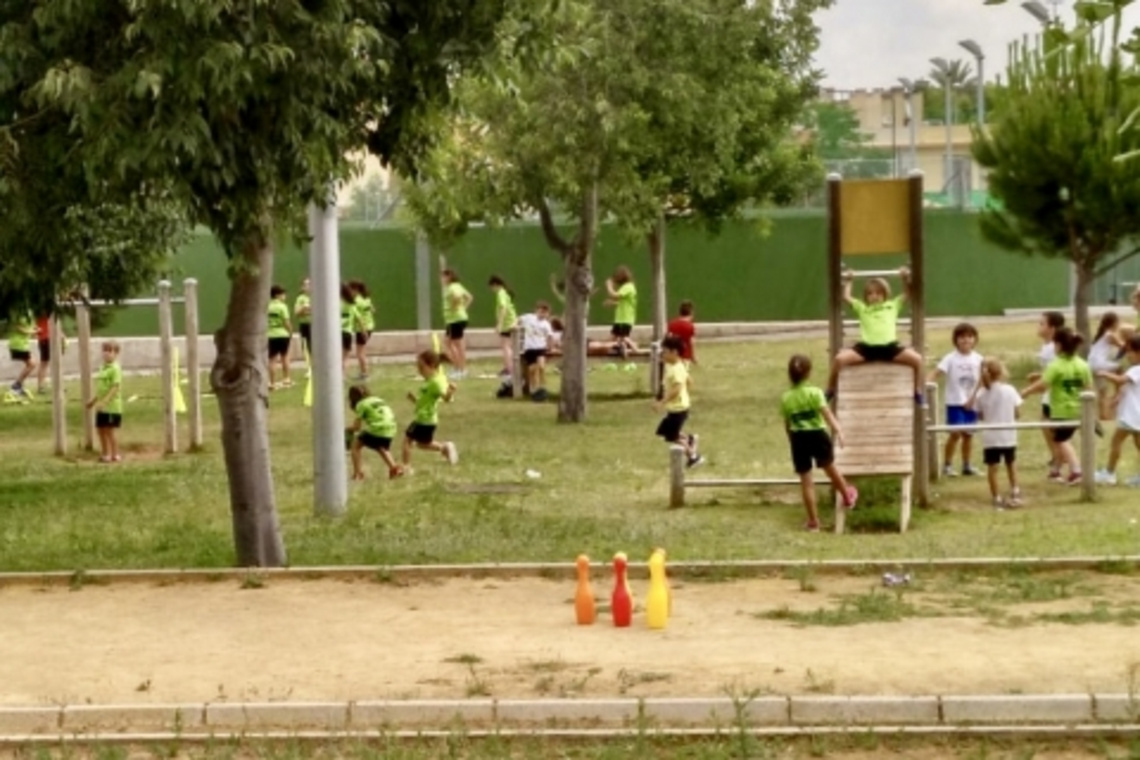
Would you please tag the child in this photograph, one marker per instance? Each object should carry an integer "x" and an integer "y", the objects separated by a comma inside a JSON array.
[
  {"x": 506, "y": 319},
  {"x": 280, "y": 334},
  {"x": 675, "y": 401},
  {"x": 537, "y": 338},
  {"x": 422, "y": 430},
  {"x": 1047, "y": 326},
  {"x": 1127, "y": 413},
  {"x": 805, "y": 412},
  {"x": 1103, "y": 358},
  {"x": 374, "y": 428},
  {"x": 623, "y": 297},
  {"x": 23, "y": 329},
  {"x": 43, "y": 339},
  {"x": 1066, "y": 377},
  {"x": 997, "y": 403},
  {"x": 456, "y": 301},
  {"x": 366, "y": 323},
  {"x": 683, "y": 328},
  {"x": 962, "y": 368},
  {"x": 878, "y": 315},
  {"x": 303, "y": 311},
  {"x": 349, "y": 323},
  {"x": 108, "y": 403}
]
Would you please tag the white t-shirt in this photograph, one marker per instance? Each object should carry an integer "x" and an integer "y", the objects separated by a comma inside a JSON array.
[
  {"x": 1128, "y": 413},
  {"x": 1102, "y": 356},
  {"x": 1045, "y": 356},
  {"x": 536, "y": 332},
  {"x": 962, "y": 373},
  {"x": 996, "y": 405}
]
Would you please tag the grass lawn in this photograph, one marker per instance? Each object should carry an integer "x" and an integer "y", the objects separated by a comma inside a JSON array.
[{"x": 603, "y": 485}]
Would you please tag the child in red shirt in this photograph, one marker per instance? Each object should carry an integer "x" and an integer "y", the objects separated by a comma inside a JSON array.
[{"x": 683, "y": 328}]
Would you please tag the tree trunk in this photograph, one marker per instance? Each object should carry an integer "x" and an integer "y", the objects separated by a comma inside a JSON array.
[
  {"x": 657, "y": 268},
  {"x": 579, "y": 284},
  {"x": 1082, "y": 297},
  {"x": 239, "y": 380}
]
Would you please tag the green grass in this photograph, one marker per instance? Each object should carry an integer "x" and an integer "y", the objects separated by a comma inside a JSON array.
[{"x": 603, "y": 485}]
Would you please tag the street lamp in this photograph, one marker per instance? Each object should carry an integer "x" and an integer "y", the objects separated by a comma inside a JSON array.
[
  {"x": 1038, "y": 11},
  {"x": 944, "y": 69},
  {"x": 909, "y": 88},
  {"x": 980, "y": 57}
]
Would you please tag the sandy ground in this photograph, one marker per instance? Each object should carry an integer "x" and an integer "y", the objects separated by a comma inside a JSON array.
[{"x": 336, "y": 640}]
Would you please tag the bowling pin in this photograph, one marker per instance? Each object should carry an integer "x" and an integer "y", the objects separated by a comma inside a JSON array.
[
  {"x": 621, "y": 602},
  {"x": 584, "y": 607},
  {"x": 657, "y": 600},
  {"x": 668, "y": 586}
]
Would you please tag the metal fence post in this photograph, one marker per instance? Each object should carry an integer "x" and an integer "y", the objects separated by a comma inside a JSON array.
[{"x": 1088, "y": 446}]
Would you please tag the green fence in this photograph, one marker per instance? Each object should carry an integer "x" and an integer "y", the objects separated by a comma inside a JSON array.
[{"x": 742, "y": 274}]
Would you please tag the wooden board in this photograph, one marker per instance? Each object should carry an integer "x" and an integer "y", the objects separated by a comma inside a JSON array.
[{"x": 875, "y": 407}]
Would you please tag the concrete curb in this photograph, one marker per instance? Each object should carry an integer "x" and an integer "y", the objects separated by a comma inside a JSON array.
[
  {"x": 695, "y": 570},
  {"x": 720, "y": 713}
]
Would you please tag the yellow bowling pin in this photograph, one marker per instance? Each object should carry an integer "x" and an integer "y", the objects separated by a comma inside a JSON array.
[
  {"x": 668, "y": 586},
  {"x": 657, "y": 600}
]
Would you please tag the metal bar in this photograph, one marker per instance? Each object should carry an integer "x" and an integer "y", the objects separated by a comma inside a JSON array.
[
  {"x": 868, "y": 273},
  {"x": 1045, "y": 425},
  {"x": 124, "y": 302}
]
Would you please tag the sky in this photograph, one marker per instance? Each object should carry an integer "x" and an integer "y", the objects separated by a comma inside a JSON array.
[{"x": 871, "y": 43}]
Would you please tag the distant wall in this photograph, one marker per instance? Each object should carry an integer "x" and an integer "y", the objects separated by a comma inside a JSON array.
[{"x": 740, "y": 275}]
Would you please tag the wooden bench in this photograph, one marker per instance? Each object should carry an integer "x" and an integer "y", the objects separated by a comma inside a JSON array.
[
  {"x": 876, "y": 410},
  {"x": 651, "y": 355}
]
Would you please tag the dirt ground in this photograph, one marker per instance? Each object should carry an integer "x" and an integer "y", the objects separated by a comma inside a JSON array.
[{"x": 338, "y": 640}]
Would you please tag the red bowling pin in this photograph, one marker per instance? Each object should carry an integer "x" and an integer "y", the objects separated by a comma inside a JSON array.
[{"x": 621, "y": 603}]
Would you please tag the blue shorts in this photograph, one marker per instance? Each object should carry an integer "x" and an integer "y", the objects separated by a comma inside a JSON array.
[{"x": 960, "y": 415}]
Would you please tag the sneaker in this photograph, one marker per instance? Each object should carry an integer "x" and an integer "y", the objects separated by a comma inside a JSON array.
[
  {"x": 1074, "y": 479},
  {"x": 539, "y": 395},
  {"x": 395, "y": 472},
  {"x": 811, "y": 526},
  {"x": 1133, "y": 482},
  {"x": 1105, "y": 478},
  {"x": 918, "y": 400},
  {"x": 949, "y": 472},
  {"x": 969, "y": 471},
  {"x": 1055, "y": 476},
  {"x": 696, "y": 461},
  {"x": 999, "y": 503},
  {"x": 694, "y": 443},
  {"x": 851, "y": 498},
  {"x": 451, "y": 453},
  {"x": 1013, "y": 501}
]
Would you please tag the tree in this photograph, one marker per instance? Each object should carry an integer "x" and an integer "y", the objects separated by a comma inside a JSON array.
[
  {"x": 642, "y": 109},
  {"x": 835, "y": 130},
  {"x": 1049, "y": 154},
  {"x": 958, "y": 76},
  {"x": 245, "y": 112}
]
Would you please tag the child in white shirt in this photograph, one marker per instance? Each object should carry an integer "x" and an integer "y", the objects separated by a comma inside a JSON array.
[
  {"x": 1103, "y": 357},
  {"x": 1127, "y": 412},
  {"x": 537, "y": 337},
  {"x": 962, "y": 368},
  {"x": 997, "y": 403},
  {"x": 1047, "y": 327}
]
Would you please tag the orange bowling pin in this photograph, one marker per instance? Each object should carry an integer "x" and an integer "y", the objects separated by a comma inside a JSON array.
[
  {"x": 668, "y": 586},
  {"x": 584, "y": 607},
  {"x": 657, "y": 600},
  {"x": 621, "y": 602}
]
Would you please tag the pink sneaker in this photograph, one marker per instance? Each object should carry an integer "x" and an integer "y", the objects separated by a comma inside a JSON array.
[
  {"x": 1074, "y": 479},
  {"x": 811, "y": 526},
  {"x": 851, "y": 498}
]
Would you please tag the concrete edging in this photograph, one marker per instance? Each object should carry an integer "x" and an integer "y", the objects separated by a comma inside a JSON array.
[{"x": 652, "y": 714}]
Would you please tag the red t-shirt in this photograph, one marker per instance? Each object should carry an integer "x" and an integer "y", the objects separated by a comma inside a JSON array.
[
  {"x": 43, "y": 328},
  {"x": 685, "y": 330}
]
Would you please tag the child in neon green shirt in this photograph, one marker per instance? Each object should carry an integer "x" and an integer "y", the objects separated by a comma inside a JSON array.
[
  {"x": 280, "y": 334},
  {"x": 456, "y": 301},
  {"x": 303, "y": 311},
  {"x": 374, "y": 428},
  {"x": 623, "y": 297},
  {"x": 23, "y": 329},
  {"x": 108, "y": 403},
  {"x": 506, "y": 320},
  {"x": 421, "y": 433},
  {"x": 366, "y": 323},
  {"x": 1066, "y": 377}
]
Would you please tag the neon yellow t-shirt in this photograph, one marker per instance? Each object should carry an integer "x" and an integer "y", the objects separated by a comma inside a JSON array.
[
  {"x": 878, "y": 322},
  {"x": 677, "y": 376},
  {"x": 427, "y": 402},
  {"x": 505, "y": 312},
  {"x": 302, "y": 307},
  {"x": 626, "y": 311},
  {"x": 376, "y": 417},
  {"x": 349, "y": 319},
  {"x": 110, "y": 376},
  {"x": 365, "y": 312},
  {"x": 455, "y": 299},
  {"x": 1066, "y": 377},
  {"x": 278, "y": 319},
  {"x": 23, "y": 328},
  {"x": 801, "y": 406}
]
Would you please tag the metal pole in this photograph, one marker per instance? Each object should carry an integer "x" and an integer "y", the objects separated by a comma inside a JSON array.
[
  {"x": 981, "y": 92},
  {"x": 86, "y": 384},
  {"x": 190, "y": 316},
  {"x": 423, "y": 284},
  {"x": 949, "y": 160},
  {"x": 1088, "y": 446},
  {"x": 58, "y": 398},
  {"x": 166, "y": 351},
  {"x": 330, "y": 479}
]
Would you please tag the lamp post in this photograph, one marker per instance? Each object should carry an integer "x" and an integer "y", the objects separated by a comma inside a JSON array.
[
  {"x": 980, "y": 59},
  {"x": 948, "y": 168},
  {"x": 909, "y": 87},
  {"x": 1038, "y": 11}
]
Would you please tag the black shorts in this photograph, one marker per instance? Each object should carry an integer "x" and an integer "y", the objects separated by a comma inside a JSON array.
[
  {"x": 995, "y": 456},
  {"x": 533, "y": 355},
  {"x": 455, "y": 330},
  {"x": 105, "y": 420},
  {"x": 420, "y": 433},
  {"x": 362, "y": 338},
  {"x": 809, "y": 446},
  {"x": 306, "y": 330},
  {"x": 885, "y": 353},
  {"x": 279, "y": 347},
  {"x": 621, "y": 331},
  {"x": 45, "y": 350},
  {"x": 20, "y": 356},
  {"x": 346, "y": 341},
  {"x": 507, "y": 334},
  {"x": 1046, "y": 412},
  {"x": 670, "y": 427},
  {"x": 374, "y": 442},
  {"x": 1061, "y": 435}
]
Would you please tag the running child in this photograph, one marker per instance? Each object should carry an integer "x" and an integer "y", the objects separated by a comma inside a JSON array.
[
  {"x": 456, "y": 301},
  {"x": 366, "y": 323},
  {"x": 682, "y": 326},
  {"x": 1066, "y": 377},
  {"x": 805, "y": 412},
  {"x": 349, "y": 324},
  {"x": 1104, "y": 357},
  {"x": 280, "y": 332},
  {"x": 1047, "y": 326},
  {"x": 878, "y": 316},
  {"x": 997, "y": 402},
  {"x": 675, "y": 401},
  {"x": 22, "y": 329},
  {"x": 1127, "y": 413},
  {"x": 43, "y": 339},
  {"x": 303, "y": 312},
  {"x": 962, "y": 369},
  {"x": 421, "y": 433},
  {"x": 108, "y": 403},
  {"x": 374, "y": 428},
  {"x": 538, "y": 335},
  {"x": 623, "y": 297},
  {"x": 506, "y": 320}
]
